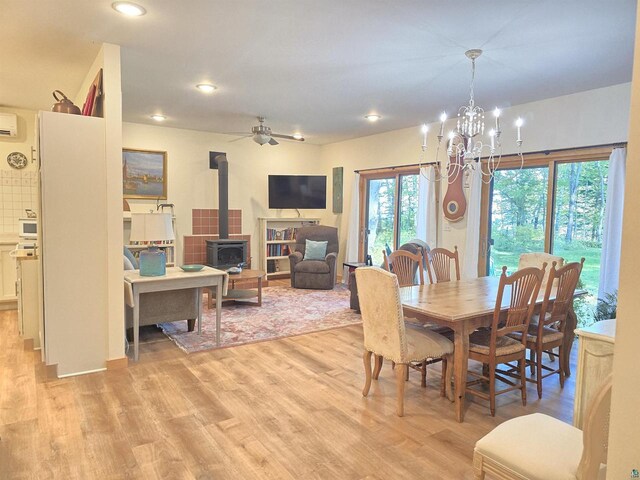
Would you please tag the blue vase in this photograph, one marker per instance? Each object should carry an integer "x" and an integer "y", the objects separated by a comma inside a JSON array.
[{"x": 153, "y": 262}]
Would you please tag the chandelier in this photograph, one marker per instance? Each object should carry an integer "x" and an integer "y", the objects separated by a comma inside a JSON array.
[{"x": 468, "y": 143}]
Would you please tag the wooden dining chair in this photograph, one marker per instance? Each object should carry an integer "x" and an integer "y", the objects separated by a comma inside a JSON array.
[
  {"x": 405, "y": 265},
  {"x": 495, "y": 346},
  {"x": 385, "y": 335},
  {"x": 540, "y": 447},
  {"x": 440, "y": 260},
  {"x": 546, "y": 334}
]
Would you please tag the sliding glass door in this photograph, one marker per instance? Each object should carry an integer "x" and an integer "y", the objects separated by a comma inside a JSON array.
[
  {"x": 390, "y": 214},
  {"x": 555, "y": 205}
]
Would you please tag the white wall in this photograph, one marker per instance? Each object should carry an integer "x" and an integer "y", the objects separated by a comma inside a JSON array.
[
  {"x": 191, "y": 184},
  {"x": 624, "y": 448},
  {"x": 108, "y": 59},
  {"x": 583, "y": 119},
  {"x": 18, "y": 188}
]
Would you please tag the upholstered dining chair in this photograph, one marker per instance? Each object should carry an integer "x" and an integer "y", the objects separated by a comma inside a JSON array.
[
  {"x": 540, "y": 447},
  {"x": 385, "y": 335},
  {"x": 440, "y": 260},
  {"x": 495, "y": 346},
  {"x": 536, "y": 259},
  {"x": 405, "y": 266},
  {"x": 546, "y": 334}
]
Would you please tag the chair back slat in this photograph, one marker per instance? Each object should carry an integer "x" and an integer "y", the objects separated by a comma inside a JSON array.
[
  {"x": 381, "y": 309},
  {"x": 566, "y": 281},
  {"x": 595, "y": 434},
  {"x": 525, "y": 286},
  {"x": 404, "y": 265},
  {"x": 440, "y": 262}
]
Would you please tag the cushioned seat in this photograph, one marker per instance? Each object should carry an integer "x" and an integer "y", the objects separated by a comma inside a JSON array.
[
  {"x": 548, "y": 334},
  {"x": 516, "y": 445},
  {"x": 312, "y": 266},
  {"x": 423, "y": 343},
  {"x": 480, "y": 340}
]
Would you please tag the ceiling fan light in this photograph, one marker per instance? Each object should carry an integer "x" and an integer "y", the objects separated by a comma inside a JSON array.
[{"x": 261, "y": 138}]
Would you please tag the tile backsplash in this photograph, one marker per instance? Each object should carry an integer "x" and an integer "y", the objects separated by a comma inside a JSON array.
[{"x": 18, "y": 191}]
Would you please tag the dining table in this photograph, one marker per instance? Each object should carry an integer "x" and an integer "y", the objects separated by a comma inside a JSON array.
[{"x": 464, "y": 306}]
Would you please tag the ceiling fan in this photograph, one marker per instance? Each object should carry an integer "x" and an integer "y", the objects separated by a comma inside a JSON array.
[{"x": 262, "y": 134}]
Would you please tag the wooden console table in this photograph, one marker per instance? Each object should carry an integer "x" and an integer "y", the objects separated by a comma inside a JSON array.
[{"x": 175, "y": 279}]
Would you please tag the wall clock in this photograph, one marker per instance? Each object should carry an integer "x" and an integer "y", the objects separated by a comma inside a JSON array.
[{"x": 17, "y": 160}]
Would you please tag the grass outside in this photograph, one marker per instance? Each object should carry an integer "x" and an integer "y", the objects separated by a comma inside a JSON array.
[{"x": 589, "y": 278}]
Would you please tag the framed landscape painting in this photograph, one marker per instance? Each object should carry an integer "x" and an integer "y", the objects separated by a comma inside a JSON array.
[{"x": 144, "y": 174}]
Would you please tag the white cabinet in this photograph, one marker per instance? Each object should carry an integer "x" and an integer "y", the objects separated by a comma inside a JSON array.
[
  {"x": 7, "y": 275},
  {"x": 277, "y": 237},
  {"x": 595, "y": 363},
  {"x": 28, "y": 300}
]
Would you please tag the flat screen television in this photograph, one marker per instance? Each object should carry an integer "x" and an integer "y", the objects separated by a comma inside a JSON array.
[{"x": 298, "y": 191}]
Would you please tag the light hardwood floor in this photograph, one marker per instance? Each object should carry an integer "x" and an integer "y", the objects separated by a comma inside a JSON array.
[{"x": 285, "y": 409}]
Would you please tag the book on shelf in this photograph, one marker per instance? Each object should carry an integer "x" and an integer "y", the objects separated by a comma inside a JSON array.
[
  {"x": 281, "y": 233},
  {"x": 278, "y": 250}
]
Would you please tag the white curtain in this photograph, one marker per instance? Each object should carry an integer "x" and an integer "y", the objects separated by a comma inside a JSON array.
[
  {"x": 472, "y": 240},
  {"x": 612, "y": 224},
  {"x": 427, "y": 214},
  {"x": 351, "y": 252}
]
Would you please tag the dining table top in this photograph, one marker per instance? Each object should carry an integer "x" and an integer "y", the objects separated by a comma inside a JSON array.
[{"x": 457, "y": 300}]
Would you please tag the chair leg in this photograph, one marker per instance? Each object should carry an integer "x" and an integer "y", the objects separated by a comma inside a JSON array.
[
  {"x": 191, "y": 324},
  {"x": 377, "y": 366},
  {"x": 447, "y": 373},
  {"x": 400, "y": 379},
  {"x": 367, "y": 372},
  {"x": 424, "y": 374},
  {"x": 478, "y": 467},
  {"x": 560, "y": 369},
  {"x": 532, "y": 361},
  {"x": 523, "y": 381},
  {"x": 492, "y": 389},
  {"x": 539, "y": 372},
  {"x": 406, "y": 374}
]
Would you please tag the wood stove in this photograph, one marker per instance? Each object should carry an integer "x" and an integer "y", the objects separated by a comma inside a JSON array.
[{"x": 226, "y": 253}]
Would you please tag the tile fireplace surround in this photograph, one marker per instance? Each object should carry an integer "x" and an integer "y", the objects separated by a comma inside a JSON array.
[{"x": 204, "y": 223}]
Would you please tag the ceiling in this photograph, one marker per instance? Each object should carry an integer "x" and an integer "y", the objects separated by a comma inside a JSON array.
[{"x": 316, "y": 66}]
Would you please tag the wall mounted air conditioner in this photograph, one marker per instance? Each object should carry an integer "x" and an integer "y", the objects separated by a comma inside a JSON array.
[{"x": 8, "y": 125}]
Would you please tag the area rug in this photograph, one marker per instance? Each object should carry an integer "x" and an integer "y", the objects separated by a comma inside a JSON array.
[{"x": 285, "y": 312}]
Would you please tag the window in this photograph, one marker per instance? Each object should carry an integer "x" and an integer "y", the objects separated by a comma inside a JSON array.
[
  {"x": 554, "y": 205},
  {"x": 390, "y": 210}
]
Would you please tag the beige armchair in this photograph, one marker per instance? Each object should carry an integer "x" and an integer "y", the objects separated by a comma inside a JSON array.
[
  {"x": 314, "y": 274},
  {"x": 385, "y": 335}
]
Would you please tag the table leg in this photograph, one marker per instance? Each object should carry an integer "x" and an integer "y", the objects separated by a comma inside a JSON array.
[
  {"x": 259, "y": 291},
  {"x": 570, "y": 326},
  {"x": 460, "y": 365},
  {"x": 136, "y": 323},
  {"x": 200, "y": 311},
  {"x": 218, "y": 310},
  {"x": 210, "y": 298}
]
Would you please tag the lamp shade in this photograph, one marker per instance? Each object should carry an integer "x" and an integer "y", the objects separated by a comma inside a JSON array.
[{"x": 151, "y": 227}]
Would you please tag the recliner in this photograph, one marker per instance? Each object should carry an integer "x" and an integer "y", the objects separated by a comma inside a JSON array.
[{"x": 314, "y": 274}]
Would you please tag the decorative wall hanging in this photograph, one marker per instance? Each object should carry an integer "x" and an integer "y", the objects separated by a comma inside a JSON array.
[{"x": 338, "y": 176}]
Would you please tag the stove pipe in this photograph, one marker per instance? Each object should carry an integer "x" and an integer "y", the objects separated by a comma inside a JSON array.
[{"x": 218, "y": 161}]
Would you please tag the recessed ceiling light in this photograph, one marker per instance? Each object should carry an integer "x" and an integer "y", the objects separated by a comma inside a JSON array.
[
  {"x": 129, "y": 9},
  {"x": 206, "y": 87},
  {"x": 158, "y": 118},
  {"x": 297, "y": 136},
  {"x": 373, "y": 117}
]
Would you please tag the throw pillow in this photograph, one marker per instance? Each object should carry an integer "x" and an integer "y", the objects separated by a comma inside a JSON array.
[
  {"x": 315, "y": 250},
  {"x": 131, "y": 257}
]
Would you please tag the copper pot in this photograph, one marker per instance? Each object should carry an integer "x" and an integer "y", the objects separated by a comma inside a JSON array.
[{"x": 64, "y": 105}]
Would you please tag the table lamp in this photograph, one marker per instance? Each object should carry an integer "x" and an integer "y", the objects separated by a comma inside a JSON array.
[{"x": 150, "y": 228}]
